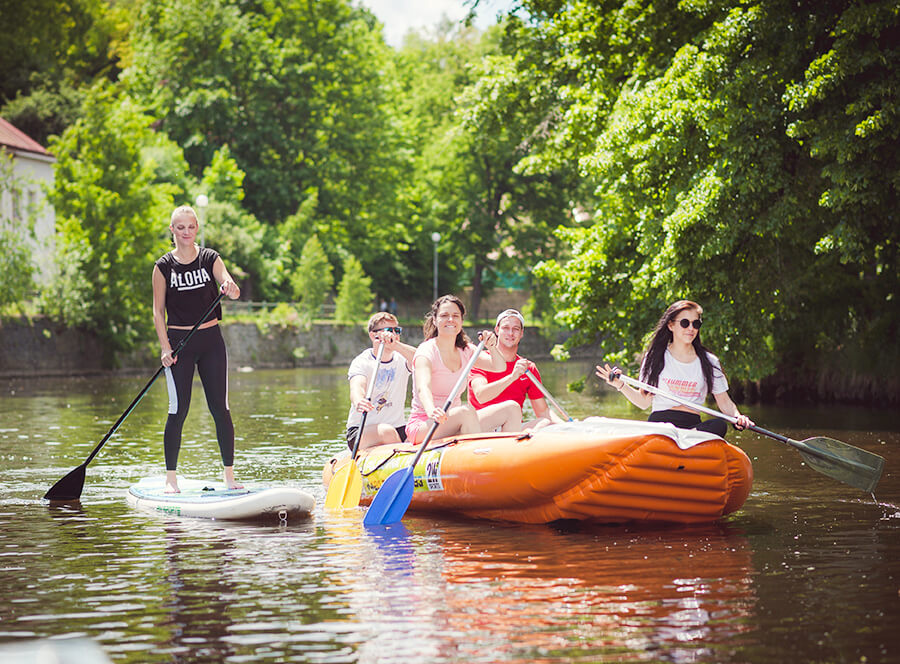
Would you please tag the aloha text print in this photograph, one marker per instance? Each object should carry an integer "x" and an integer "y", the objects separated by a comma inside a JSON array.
[{"x": 189, "y": 280}]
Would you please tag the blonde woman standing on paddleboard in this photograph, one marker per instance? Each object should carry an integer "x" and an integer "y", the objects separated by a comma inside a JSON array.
[
  {"x": 676, "y": 361},
  {"x": 184, "y": 286}
]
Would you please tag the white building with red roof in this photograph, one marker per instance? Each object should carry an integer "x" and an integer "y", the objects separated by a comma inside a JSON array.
[{"x": 32, "y": 172}]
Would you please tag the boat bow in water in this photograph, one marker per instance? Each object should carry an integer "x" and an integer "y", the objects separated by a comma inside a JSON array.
[{"x": 600, "y": 470}]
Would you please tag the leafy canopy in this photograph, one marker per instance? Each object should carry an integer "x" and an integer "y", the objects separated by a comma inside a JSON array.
[{"x": 112, "y": 212}]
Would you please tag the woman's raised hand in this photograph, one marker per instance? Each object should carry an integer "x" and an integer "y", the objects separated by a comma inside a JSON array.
[
  {"x": 489, "y": 338},
  {"x": 610, "y": 375}
]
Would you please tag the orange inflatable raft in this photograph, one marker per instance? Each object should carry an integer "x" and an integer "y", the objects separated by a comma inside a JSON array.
[{"x": 600, "y": 470}]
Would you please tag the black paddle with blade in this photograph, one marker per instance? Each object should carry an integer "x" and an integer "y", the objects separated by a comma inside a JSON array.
[
  {"x": 848, "y": 464},
  {"x": 69, "y": 487}
]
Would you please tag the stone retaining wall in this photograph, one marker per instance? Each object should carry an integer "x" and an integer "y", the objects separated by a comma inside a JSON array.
[
  {"x": 41, "y": 349},
  {"x": 38, "y": 348}
]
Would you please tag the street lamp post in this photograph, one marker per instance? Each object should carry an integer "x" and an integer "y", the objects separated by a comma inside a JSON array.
[
  {"x": 435, "y": 237},
  {"x": 202, "y": 202}
]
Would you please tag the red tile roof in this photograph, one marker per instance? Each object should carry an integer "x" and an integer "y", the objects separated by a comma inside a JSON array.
[{"x": 13, "y": 138}]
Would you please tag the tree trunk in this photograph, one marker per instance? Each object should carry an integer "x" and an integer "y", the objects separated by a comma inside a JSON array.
[{"x": 476, "y": 290}]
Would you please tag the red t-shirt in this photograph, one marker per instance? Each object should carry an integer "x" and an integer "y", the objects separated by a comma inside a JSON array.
[{"x": 517, "y": 392}]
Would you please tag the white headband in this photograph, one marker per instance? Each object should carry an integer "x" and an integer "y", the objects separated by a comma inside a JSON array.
[{"x": 507, "y": 314}]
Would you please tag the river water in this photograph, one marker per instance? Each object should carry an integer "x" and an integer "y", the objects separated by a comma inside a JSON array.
[{"x": 807, "y": 571}]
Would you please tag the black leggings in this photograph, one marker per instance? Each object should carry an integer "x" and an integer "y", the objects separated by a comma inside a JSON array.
[
  {"x": 206, "y": 350},
  {"x": 684, "y": 420}
]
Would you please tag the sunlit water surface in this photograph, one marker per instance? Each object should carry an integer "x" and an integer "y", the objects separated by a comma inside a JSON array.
[{"x": 807, "y": 571}]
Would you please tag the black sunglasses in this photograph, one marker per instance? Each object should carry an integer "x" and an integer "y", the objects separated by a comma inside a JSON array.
[
  {"x": 395, "y": 330},
  {"x": 685, "y": 323}
]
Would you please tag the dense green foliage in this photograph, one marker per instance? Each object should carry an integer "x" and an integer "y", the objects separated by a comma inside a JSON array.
[
  {"x": 742, "y": 155},
  {"x": 482, "y": 118},
  {"x": 614, "y": 155},
  {"x": 50, "y": 54},
  {"x": 112, "y": 211}
]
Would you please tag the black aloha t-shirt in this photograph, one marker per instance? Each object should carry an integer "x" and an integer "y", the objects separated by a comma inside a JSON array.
[{"x": 190, "y": 288}]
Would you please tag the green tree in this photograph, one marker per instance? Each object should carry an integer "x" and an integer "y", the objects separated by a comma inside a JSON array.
[
  {"x": 430, "y": 73},
  {"x": 354, "y": 297},
  {"x": 223, "y": 179},
  {"x": 295, "y": 89},
  {"x": 701, "y": 188},
  {"x": 312, "y": 280},
  {"x": 501, "y": 217},
  {"x": 111, "y": 212},
  {"x": 844, "y": 112},
  {"x": 476, "y": 115},
  {"x": 51, "y": 52}
]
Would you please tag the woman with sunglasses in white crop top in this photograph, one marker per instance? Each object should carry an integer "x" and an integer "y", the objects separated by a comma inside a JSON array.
[{"x": 676, "y": 361}]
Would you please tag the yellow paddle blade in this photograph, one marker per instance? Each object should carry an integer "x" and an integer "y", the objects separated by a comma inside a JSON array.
[{"x": 345, "y": 487}]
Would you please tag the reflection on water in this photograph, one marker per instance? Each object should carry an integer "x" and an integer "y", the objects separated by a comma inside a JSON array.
[
  {"x": 559, "y": 595},
  {"x": 807, "y": 571}
]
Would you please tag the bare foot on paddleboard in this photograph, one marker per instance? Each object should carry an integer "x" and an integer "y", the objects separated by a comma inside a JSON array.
[
  {"x": 171, "y": 482},
  {"x": 230, "y": 482}
]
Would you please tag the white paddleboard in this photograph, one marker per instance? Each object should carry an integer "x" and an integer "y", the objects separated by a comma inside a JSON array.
[{"x": 213, "y": 500}]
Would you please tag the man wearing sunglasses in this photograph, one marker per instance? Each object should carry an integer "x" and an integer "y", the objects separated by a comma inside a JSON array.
[
  {"x": 511, "y": 384},
  {"x": 386, "y": 420}
]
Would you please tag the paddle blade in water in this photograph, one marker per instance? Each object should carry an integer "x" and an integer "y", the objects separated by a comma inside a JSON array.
[
  {"x": 69, "y": 487},
  {"x": 845, "y": 463},
  {"x": 345, "y": 487},
  {"x": 393, "y": 497}
]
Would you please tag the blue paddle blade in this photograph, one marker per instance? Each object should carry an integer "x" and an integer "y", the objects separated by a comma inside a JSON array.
[{"x": 393, "y": 497}]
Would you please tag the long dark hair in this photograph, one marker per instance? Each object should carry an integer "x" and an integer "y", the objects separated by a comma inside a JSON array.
[
  {"x": 655, "y": 355},
  {"x": 429, "y": 327}
]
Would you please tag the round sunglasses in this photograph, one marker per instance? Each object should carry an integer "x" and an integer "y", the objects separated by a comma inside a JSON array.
[{"x": 685, "y": 323}]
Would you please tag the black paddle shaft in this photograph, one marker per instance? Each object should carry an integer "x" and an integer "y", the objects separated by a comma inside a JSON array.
[
  {"x": 147, "y": 387},
  {"x": 70, "y": 486},
  {"x": 852, "y": 465}
]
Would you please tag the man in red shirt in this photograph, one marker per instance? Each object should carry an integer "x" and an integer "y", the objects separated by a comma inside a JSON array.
[{"x": 488, "y": 387}]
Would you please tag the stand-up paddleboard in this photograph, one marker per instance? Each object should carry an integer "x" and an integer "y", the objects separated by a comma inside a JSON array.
[{"x": 213, "y": 500}]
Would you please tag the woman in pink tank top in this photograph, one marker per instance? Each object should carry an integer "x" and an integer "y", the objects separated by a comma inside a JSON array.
[{"x": 437, "y": 365}]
